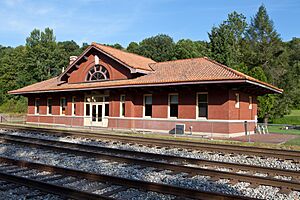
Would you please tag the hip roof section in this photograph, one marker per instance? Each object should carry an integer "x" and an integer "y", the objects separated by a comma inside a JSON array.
[{"x": 179, "y": 72}]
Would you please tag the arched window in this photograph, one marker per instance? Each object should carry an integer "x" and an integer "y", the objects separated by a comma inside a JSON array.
[{"x": 97, "y": 73}]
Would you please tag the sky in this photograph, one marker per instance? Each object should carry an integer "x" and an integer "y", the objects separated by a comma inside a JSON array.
[{"x": 124, "y": 21}]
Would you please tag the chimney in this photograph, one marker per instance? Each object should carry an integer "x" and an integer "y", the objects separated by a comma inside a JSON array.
[{"x": 72, "y": 59}]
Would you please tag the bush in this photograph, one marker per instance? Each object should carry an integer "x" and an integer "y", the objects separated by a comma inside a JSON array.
[{"x": 14, "y": 106}]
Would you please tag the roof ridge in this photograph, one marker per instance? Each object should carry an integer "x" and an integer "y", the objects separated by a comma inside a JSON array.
[
  {"x": 95, "y": 43},
  {"x": 179, "y": 60}
]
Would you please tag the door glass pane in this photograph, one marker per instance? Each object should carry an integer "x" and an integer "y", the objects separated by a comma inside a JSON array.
[
  {"x": 94, "y": 113},
  {"x": 99, "y": 113}
]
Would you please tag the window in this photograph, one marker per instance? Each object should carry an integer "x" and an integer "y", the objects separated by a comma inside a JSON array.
[
  {"x": 49, "y": 106},
  {"x": 74, "y": 105},
  {"x": 37, "y": 106},
  {"x": 63, "y": 106},
  {"x": 106, "y": 112},
  {"x": 173, "y": 105},
  {"x": 87, "y": 109},
  {"x": 148, "y": 105},
  {"x": 97, "y": 73},
  {"x": 202, "y": 105},
  {"x": 237, "y": 100},
  {"x": 122, "y": 105},
  {"x": 250, "y": 102}
]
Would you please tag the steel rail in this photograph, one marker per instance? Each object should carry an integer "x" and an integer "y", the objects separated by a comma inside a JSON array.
[
  {"x": 142, "y": 185},
  {"x": 101, "y": 152},
  {"x": 79, "y": 149},
  {"x": 222, "y": 148},
  {"x": 50, "y": 188}
]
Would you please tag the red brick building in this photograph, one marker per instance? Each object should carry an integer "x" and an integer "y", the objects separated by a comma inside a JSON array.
[{"x": 107, "y": 87}]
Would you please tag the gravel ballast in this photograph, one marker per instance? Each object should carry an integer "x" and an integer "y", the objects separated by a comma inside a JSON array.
[{"x": 137, "y": 172}]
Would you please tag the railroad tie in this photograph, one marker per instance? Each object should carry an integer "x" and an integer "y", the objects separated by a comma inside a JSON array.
[
  {"x": 253, "y": 185},
  {"x": 234, "y": 181},
  {"x": 109, "y": 193},
  {"x": 285, "y": 190}
]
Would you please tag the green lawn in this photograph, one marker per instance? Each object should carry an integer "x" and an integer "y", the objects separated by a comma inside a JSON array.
[
  {"x": 293, "y": 118},
  {"x": 294, "y": 142},
  {"x": 278, "y": 129}
]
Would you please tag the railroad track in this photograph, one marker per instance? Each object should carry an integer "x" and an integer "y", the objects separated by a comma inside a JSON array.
[
  {"x": 221, "y": 148},
  {"x": 182, "y": 164},
  {"x": 12, "y": 190},
  {"x": 61, "y": 181}
]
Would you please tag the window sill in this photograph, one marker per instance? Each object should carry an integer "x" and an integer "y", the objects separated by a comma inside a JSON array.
[{"x": 202, "y": 118}]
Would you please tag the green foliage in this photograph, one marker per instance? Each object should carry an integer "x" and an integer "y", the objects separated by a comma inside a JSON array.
[
  {"x": 263, "y": 47},
  {"x": 40, "y": 59},
  {"x": 116, "y": 46},
  {"x": 292, "y": 118},
  {"x": 190, "y": 49},
  {"x": 159, "y": 48},
  {"x": 14, "y": 106},
  {"x": 226, "y": 40}
]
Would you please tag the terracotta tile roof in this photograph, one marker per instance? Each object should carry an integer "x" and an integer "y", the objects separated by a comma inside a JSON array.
[
  {"x": 171, "y": 72},
  {"x": 133, "y": 60}
]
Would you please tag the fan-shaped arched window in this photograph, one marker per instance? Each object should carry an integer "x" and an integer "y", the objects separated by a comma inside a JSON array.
[{"x": 97, "y": 73}]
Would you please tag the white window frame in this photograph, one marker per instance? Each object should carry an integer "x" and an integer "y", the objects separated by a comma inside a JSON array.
[
  {"x": 73, "y": 105},
  {"x": 35, "y": 106},
  {"x": 60, "y": 104},
  {"x": 48, "y": 106},
  {"x": 121, "y": 102},
  {"x": 197, "y": 106},
  {"x": 250, "y": 102},
  {"x": 169, "y": 105},
  {"x": 237, "y": 100},
  {"x": 144, "y": 105}
]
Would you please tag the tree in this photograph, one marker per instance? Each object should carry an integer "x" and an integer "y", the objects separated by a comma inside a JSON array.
[
  {"x": 44, "y": 58},
  {"x": 226, "y": 40},
  {"x": 159, "y": 48},
  {"x": 133, "y": 47},
  {"x": 190, "y": 49},
  {"x": 116, "y": 46},
  {"x": 70, "y": 47},
  {"x": 264, "y": 47}
]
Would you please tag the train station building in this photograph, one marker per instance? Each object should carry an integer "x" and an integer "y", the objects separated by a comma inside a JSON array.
[{"x": 107, "y": 87}]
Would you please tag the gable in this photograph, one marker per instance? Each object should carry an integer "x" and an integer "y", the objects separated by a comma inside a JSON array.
[
  {"x": 114, "y": 70},
  {"x": 117, "y": 61}
]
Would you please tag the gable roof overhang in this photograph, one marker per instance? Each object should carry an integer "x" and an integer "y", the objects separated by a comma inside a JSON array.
[{"x": 82, "y": 56}]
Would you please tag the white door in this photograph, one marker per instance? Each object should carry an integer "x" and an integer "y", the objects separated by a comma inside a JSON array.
[{"x": 97, "y": 114}]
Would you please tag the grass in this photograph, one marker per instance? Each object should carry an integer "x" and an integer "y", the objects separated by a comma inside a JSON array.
[
  {"x": 293, "y": 118},
  {"x": 293, "y": 142},
  {"x": 279, "y": 129}
]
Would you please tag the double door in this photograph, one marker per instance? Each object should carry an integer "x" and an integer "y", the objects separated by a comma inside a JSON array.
[
  {"x": 96, "y": 111},
  {"x": 97, "y": 114}
]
